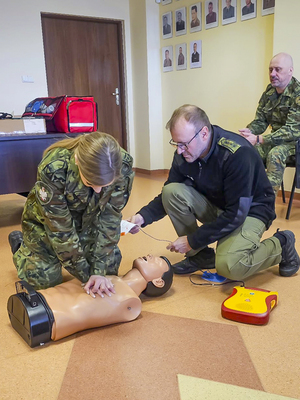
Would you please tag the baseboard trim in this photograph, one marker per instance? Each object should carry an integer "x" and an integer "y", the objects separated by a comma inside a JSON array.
[
  {"x": 155, "y": 172},
  {"x": 288, "y": 195},
  {"x": 164, "y": 172}
]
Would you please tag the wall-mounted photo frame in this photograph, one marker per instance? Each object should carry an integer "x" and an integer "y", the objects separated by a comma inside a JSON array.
[
  {"x": 211, "y": 14},
  {"x": 167, "y": 57},
  {"x": 180, "y": 24},
  {"x": 268, "y": 7},
  {"x": 196, "y": 54},
  {"x": 195, "y": 12},
  {"x": 167, "y": 26},
  {"x": 248, "y": 9},
  {"x": 228, "y": 11},
  {"x": 164, "y": 2},
  {"x": 180, "y": 54}
]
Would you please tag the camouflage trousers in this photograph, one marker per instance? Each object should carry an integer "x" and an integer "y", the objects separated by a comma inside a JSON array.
[{"x": 274, "y": 158}]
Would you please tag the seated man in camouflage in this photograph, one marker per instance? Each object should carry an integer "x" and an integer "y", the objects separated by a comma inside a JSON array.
[{"x": 279, "y": 107}]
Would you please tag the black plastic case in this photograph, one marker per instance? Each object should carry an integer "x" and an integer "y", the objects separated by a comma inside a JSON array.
[{"x": 30, "y": 315}]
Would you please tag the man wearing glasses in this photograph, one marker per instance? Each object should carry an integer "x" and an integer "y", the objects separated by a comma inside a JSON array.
[{"x": 218, "y": 179}]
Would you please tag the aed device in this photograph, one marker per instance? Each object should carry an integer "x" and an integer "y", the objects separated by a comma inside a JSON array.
[{"x": 249, "y": 305}]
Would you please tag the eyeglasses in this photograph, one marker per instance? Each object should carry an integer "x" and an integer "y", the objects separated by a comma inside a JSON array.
[{"x": 183, "y": 146}]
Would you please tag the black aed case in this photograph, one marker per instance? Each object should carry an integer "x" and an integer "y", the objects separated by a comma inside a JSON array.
[{"x": 30, "y": 315}]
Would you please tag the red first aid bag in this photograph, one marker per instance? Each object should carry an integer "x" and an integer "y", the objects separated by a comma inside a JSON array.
[{"x": 77, "y": 114}]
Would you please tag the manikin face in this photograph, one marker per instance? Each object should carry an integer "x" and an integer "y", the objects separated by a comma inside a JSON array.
[
  {"x": 152, "y": 267},
  {"x": 194, "y": 15},
  {"x": 280, "y": 72},
  {"x": 183, "y": 132}
]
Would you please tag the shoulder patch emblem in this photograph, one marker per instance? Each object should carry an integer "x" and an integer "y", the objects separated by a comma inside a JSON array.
[
  {"x": 43, "y": 192},
  {"x": 229, "y": 144}
]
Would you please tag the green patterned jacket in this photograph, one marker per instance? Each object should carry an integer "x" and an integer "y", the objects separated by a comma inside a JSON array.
[
  {"x": 282, "y": 112},
  {"x": 67, "y": 224}
]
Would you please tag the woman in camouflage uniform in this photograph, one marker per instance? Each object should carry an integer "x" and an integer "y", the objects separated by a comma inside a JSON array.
[{"x": 72, "y": 215}]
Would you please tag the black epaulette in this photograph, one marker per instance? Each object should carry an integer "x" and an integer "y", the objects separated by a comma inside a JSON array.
[{"x": 229, "y": 144}]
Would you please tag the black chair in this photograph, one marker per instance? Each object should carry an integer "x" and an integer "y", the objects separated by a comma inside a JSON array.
[{"x": 293, "y": 162}]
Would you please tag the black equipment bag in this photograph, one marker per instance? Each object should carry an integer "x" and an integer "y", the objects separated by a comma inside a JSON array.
[{"x": 30, "y": 315}]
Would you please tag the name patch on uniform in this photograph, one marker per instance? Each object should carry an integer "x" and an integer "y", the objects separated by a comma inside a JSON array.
[
  {"x": 229, "y": 144},
  {"x": 43, "y": 192}
]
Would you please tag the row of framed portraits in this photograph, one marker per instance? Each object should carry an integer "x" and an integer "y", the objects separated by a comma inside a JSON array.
[
  {"x": 228, "y": 15},
  {"x": 180, "y": 59}
]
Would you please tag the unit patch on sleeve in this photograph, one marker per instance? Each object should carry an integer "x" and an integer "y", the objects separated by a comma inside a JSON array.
[{"x": 43, "y": 192}]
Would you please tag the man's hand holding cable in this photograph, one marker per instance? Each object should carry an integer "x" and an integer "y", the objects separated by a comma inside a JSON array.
[
  {"x": 138, "y": 221},
  {"x": 181, "y": 245}
]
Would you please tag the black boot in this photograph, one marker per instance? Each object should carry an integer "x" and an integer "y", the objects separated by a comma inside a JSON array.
[
  {"x": 204, "y": 259},
  {"x": 290, "y": 261},
  {"x": 15, "y": 239}
]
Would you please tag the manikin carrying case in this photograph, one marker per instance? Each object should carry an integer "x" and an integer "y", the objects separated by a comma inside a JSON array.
[
  {"x": 30, "y": 315},
  {"x": 65, "y": 114}
]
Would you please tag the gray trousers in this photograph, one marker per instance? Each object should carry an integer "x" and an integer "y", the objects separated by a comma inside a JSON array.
[{"x": 238, "y": 255}]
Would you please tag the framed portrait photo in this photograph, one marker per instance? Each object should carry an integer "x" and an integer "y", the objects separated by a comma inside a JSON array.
[
  {"x": 167, "y": 30},
  {"x": 211, "y": 13},
  {"x": 228, "y": 11},
  {"x": 195, "y": 11},
  {"x": 167, "y": 57},
  {"x": 164, "y": 2},
  {"x": 248, "y": 9},
  {"x": 196, "y": 54},
  {"x": 180, "y": 54},
  {"x": 268, "y": 7},
  {"x": 180, "y": 24}
]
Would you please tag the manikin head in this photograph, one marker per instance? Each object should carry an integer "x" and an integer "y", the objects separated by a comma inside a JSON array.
[{"x": 157, "y": 272}]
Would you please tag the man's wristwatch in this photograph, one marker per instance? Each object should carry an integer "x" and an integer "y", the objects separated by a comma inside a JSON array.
[{"x": 257, "y": 139}]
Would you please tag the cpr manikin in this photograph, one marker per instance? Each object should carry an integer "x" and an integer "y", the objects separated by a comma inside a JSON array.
[{"x": 72, "y": 310}]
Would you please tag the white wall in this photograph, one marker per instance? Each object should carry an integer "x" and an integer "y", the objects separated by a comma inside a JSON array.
[
  {"x": 22, "y": 51},
  {"x": 145, "y": 43}
]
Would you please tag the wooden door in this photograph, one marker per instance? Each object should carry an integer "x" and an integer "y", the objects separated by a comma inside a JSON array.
[{"x": 84, "y": 57}]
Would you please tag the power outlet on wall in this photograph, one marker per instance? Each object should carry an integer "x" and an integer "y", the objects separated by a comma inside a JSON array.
[{"x": 27, "y": 79}]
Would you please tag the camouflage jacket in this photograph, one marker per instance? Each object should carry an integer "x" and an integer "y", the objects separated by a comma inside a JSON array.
[
  {"x": 66, "y": 223},
  {"x": 282, "y": 112}
]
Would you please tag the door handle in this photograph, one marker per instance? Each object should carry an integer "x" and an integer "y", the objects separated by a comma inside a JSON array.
[{"x": 116, "y": 93}]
